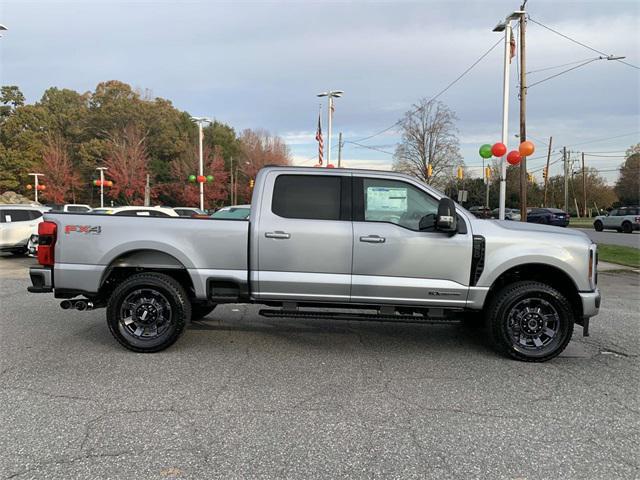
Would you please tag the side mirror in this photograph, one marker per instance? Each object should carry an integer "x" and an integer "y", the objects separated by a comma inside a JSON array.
[{"x": 447, "y": 219}]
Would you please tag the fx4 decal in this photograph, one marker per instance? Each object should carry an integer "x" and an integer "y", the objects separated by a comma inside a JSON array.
[{"x": 86, "y": 229}]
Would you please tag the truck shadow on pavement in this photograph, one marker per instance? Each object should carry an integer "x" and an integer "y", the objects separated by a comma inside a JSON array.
[{"x": 322, "y": 333}]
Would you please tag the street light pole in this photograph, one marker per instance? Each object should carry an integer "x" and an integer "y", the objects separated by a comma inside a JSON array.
[
  {"x": 331, "y": 94},
  {"x": 506, "y": 28},
  {"x": 35, "y": 183},
  {"x": 102, "y": 169},
  {"x": 201, "y": 121}
]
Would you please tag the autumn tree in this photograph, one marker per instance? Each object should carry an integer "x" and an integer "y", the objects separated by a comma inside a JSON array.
[
  {"x": 628, "y": 184},
  {"x": 127, "y": 163},
  {"x": 428, "y": 138},
  {"x": 258, "y": 148},
  {"x": 182, "y": 192},
  {"x": 60, "y": 178}
]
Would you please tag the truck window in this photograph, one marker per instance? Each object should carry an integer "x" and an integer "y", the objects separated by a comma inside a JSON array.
[
  {"x": 33, "y": 214},
  {"x": 396, "y": 202},
  {"x": 311, "y": 197}
]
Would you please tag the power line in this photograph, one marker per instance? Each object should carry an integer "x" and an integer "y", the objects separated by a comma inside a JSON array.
[
  {"x": 567, "y": 37},
  {"x": 563, "y": 72},
  {"x": 557, "y": 66},
  {"x": 606, "y": 138},
  {"x": 369, "y": 147},
  {"x": 627, "y": 63},
  {"x": 435, "y": 96},
  {"x": 580, "y": 43}
]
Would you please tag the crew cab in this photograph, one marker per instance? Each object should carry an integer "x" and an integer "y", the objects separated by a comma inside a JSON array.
[{"x": 339, "y": 239}]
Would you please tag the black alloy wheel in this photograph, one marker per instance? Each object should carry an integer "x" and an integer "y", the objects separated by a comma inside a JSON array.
[
  {"x": 148, "y": 312},
  {"x": 530, "y": 321}
]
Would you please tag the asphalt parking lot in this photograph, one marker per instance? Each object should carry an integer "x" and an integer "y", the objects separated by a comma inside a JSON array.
[
  {"x": 613, "y": 238},
  {"x": 241, "y": 396}
]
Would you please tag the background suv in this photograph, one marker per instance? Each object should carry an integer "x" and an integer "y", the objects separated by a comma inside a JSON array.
[
  {"x": 623, "y": 219},
  {"x": 17, "y": 224}
]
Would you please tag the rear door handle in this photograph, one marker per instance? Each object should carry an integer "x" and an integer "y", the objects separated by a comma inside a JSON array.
[
  {"x": 278, "y": 234},
  {"x": 372, "y": 239}
]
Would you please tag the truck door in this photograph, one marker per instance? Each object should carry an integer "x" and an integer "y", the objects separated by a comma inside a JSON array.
[
  {"x": 396, "y": 263},
  {"x": 304, "y": 238}
]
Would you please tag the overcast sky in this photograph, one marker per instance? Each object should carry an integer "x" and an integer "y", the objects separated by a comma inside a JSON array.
[{"x": 260, "y": 65}]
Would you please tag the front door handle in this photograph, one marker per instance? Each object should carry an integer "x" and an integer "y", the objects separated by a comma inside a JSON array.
[
  {"x": 372, "y": 239},
  {"x": 278, "y": 234}
]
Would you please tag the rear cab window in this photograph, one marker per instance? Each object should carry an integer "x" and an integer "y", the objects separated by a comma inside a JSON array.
[{"x": 311, "y": 197}]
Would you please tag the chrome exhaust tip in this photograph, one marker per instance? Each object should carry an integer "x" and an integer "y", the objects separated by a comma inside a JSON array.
[{"x": 80, "y": 305}]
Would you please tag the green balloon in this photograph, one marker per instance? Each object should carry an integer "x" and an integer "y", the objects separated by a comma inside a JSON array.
[
  {"x": 485, "y": 151},
  {"x": 192, "y": 178},
  {"x": 209, "y": 178}
]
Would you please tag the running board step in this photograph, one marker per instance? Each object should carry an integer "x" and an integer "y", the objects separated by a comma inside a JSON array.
[{"x": 360, "y": 317}]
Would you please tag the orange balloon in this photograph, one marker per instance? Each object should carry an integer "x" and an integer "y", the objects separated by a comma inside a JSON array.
[{"x": 526, "y": 148}]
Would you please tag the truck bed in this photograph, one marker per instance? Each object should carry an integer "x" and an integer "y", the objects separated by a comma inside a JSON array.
[{"x": 89, "y": 243}]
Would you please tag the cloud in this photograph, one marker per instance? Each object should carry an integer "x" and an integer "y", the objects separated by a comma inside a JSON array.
[{"x": 260, "y": 64}]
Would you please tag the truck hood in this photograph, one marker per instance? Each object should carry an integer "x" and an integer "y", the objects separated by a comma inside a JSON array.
[{"x": 538, "y": 228}]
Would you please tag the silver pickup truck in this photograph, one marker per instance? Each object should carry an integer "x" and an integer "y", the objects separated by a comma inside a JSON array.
[{"x": 378, "y": 245}]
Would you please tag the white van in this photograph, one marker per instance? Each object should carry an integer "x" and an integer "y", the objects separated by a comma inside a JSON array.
[{"x": 17, "y": 224}]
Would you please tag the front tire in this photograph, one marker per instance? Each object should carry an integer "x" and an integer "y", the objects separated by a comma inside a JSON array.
[
  {"x": 598, "y": 226},
  {"x": 530, "y": 321},
  {"x": 148, "y": 312}
]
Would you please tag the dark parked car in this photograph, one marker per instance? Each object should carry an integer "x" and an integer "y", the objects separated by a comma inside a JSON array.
[
  {"x": 481, "y": 212},
  {"x": 548, "y": 216}
]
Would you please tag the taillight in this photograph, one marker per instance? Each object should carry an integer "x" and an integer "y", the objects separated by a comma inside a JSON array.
[{"x": 46, "y": 243}]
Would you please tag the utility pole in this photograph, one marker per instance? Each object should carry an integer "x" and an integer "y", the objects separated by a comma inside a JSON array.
[
  {"x": 101, "y": 169},
  {"x": 546, "y": 177},
  {"x": 584, "y": 188},
  {"x": 523, "y": 116},
  {"x": 147, "y": 193},
  {"x": 231, "y": 178},
  {"x": 566, "y": 179},
  {"x": 339, "y": 149}
]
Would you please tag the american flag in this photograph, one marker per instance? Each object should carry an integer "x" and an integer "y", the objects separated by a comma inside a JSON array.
[
  {"x": 512, "y": 47},
  {"x": 320, "y": 141}
]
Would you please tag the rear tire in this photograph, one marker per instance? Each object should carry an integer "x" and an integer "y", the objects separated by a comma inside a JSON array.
[
  {"x": 598, "y": 226},
  {"x": 148, "y": 312},
  {"x": 627, "y": 227},
  {"x": 530, "y": 321}
]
